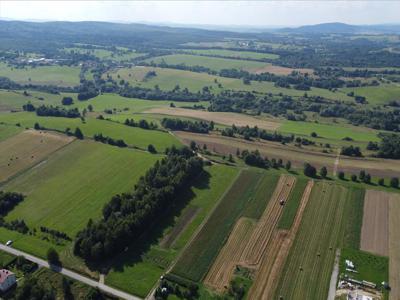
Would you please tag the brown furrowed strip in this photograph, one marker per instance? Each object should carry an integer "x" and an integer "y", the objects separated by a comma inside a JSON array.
[
  {"x": 275, "y": 256},
  {"x": 394, "y": 247},
  {"x": 222, "y": 270},
  {"x": 179, "y": 227},
  {"x": 375, "y": 226},
  {"x": 266, "y": 225}
]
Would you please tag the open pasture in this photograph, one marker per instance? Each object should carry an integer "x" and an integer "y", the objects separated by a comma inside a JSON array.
[
  {"x": 73, "y": 184},
  {"x": 232, "y": 53},
  {"x": 42, "y": 75},
  {"x": 375, "y": 225},
  {"x": 107, "y": 54},
  {"x": 7, "y": 131},
  {"x": 26, "y": 149},
  {"x": 213, "y": 63},
  {"x": 133, "y": 136},
  {"x": 225, "y": 118},
  {"x": 278, "y": 70},
  {"x": 377, "y": 95},
  {"x": 308, "y": 269}
]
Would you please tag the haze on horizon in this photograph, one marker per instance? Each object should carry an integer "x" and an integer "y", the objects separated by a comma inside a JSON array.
[{"x": 217, "y": 13}]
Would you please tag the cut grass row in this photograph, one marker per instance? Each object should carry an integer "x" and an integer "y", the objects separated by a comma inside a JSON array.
[
  {"x": 198, "y": 256},
  {"x": 308, "y": 269}
]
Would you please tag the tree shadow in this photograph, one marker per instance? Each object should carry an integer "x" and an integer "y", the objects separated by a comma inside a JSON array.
[{"x": 134, "y": 253}]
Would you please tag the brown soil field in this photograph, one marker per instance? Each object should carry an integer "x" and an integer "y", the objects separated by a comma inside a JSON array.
[
  {"x": 221, "y": 272},
  {"x": 226, "y": 145},
  {"x": 225, "y": 118},
  {"x": 26, "y": 149},
  {"x": 179, "y": 227},
  {"x": 263, "y": 233},
  {"x": 273, "y": 261},
  {"x": 394, "y": 246},
  {"x": 375, "y": 226},
  {"x": 278, "y": 70}
]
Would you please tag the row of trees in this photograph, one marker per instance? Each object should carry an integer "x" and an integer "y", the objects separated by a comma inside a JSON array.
[
  {"x": 52, "y": 111},
  {"x": 144, "y": 124},
  {"x": 128, "y": 216},
  {"x": 8, "y": 200},
  {"x": 187, "y": 125},
  {"x": 55, "y": 233},
  {"x": 108, "y": 140}
]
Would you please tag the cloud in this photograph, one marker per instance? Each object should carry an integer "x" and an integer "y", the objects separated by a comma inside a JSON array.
[{"x": 254, "y": 13}]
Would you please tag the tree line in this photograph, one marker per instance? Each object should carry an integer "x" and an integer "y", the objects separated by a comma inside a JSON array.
[
  {"x": 187, "y": 125},
  {"x": 128, "y": 216}
]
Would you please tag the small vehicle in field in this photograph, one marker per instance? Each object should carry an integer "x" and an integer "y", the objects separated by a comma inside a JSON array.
[{"x": 9, "y": 243}]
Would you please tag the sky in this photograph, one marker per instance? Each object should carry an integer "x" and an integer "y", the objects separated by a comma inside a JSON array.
[{"x": 221, "y": 13}]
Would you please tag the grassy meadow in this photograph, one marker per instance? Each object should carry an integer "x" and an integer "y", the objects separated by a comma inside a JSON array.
[
  {"x": 7, "y": 131},
  {"x": 42, "y": 75},
  {"x": 377, "y": 95},
  {"x": 232, "y": 53},
  {"x": 72, "y": 186}
]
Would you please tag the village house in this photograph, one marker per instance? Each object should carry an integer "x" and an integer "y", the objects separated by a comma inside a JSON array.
[{"x": 7, "y": 279}]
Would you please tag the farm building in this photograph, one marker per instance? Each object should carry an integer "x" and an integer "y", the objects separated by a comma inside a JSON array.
[{"x": 7, "y": 279}]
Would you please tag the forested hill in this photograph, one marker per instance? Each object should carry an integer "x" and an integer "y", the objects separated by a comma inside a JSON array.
[{"x": 33, "y": 34}]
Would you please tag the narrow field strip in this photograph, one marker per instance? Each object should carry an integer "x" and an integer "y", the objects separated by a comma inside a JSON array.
[
  {"x": 263, "y": 232},
  {"x": 275, "y": 257},
  {"x": 394, "y": 247},
  {"x": 375, "y": 225},
  {"x": 222, "y": 270}
]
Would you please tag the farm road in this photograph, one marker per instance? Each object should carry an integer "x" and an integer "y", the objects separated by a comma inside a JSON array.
[{"x": 70, "y": 274}]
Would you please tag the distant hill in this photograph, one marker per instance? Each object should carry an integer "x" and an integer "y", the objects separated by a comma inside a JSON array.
[{"x": 343, "y": 28}]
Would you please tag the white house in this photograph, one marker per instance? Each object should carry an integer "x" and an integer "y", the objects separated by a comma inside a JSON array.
[{"x": 7, "y": 279}]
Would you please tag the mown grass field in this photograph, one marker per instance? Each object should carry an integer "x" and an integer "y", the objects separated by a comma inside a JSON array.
[
  {"x": 377, "y": 95},
  {"x": 326, "y": 220},
  {"x": 7, "y": 131},
  {"x": 43, "y": 75},
  {"x": 106, "y": 54},
  {"x": 292, "y": 204},
  {"x": 139, "y": 275},
  {"x": 232, "y": 53},
  {"x": 199, "y": 255},
  {"x": 72, "y": 186},
  {"x": 329, "y": 131},
  {"x": 133, "y": 136},
  {"x": 214, "y": 63}
]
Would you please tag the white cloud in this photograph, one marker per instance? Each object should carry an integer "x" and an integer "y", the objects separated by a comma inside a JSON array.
[{"x": 255, "y": 13}]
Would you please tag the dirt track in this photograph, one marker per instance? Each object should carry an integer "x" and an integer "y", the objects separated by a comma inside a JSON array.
[
  {"x": 222, "y": 270},
  {"x": 274, "y": 259},
  {"x": 394, "y": 246},
  {"x": 225, "y": 118},
  {"x": 263, "y": 233},
  {"x": 375, "y": 227}
]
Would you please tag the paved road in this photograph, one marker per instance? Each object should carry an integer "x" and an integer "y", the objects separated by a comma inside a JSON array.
[{"x": 71, "y": 274}]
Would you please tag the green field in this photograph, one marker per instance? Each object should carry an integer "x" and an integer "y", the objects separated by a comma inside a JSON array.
[
  {"x": 330, "y": 131},
  {"x": 5, "y": 259},
  {"x": 167, "y": 79},
  {"x": 72, "y": 186},
  {"x": 133, "y": 136},
  {"x": 377, "y": 95},
  {"x": 197, "y": 258},
  {"x": 326, "y": 220},
  {"x": 107, "y": 54},
  {"x": 7, "y": 131},
  {"x": 46, "y": 75},
  {"x": 139, "y": 275},
  {"x": 214, "y": 63},
  {"x": 231, "y": 53},
  {"x": 292, "y": 204}
]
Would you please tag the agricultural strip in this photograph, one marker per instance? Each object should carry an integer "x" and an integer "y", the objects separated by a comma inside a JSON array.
[
  {"x": 225, "y": 118},
  {"x": 7, "y": 131},
  {"x": 198, "y": 256},
  {"x": 74, "y": 183},
  {"x": 179, "y": 227},
  {"x": 308, "y": 268},
  {"x": 261, "y": 235},
  {"x": 222, "y": 270},
  {"x": 226, "y": 145},
  {"x": 394, "y": 246},
  {"x": 275, "y": 257},
  {"x": 26, "y": 149},
  {"x": 375, "y": 225}
]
